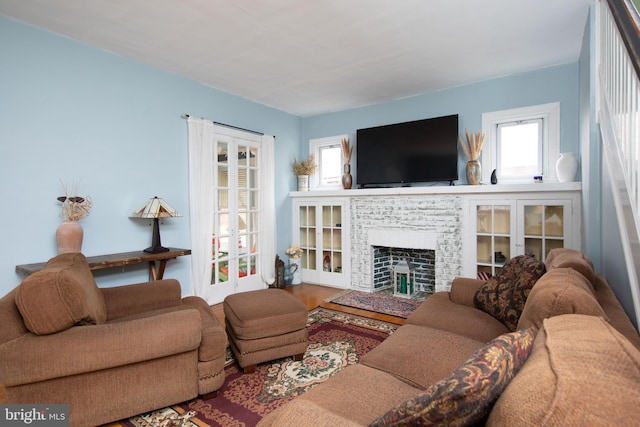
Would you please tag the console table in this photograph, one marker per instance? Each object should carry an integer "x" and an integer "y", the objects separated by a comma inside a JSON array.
[{"x": 116, "y": 260}]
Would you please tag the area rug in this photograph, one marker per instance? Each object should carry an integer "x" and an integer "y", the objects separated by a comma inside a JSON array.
[
  {"x": 336, "y": 340},
  {"x": 377, "y": 302}
]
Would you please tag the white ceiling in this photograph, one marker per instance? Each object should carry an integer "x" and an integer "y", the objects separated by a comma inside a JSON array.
[{"x": 308, "y": 57}]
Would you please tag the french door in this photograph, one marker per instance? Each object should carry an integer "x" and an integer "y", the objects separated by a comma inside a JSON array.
[{"x": 235, "y": 249}]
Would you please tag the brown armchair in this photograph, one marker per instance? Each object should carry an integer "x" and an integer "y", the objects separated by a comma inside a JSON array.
[{"x": 109, "y": 353}]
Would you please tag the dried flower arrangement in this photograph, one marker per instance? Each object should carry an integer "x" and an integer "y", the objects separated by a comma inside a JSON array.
[
  {"x": 305, "y": 167},
  {"x": 74, "y": 207},
  {"x": 294, "y": 252},
  {"x": 473, "y": 147},
  {"x": 347, "y": 150}
]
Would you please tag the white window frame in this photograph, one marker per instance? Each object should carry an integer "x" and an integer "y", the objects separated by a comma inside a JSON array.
[
  {"x": 550, "y": 116},
  {"x": 315, "y": 145}
]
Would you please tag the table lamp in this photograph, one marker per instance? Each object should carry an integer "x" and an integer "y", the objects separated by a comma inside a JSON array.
[{"x": 155, "y": 208}]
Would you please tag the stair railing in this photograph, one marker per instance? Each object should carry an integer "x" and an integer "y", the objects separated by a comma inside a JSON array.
[{"x": 618, "y": 50}]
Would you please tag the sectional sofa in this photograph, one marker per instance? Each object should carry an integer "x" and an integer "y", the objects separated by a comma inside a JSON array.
[{"x": 544, "y": 344}]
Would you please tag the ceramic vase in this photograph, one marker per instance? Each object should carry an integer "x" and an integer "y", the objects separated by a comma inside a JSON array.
[
  {"x": 69, "y": 237},
  {"x": 295, "y": 270},
  {"x": 347, "y": 179},
  {"x": 303, "y": 182},
  {"x": 566, "y": 167},
  {"x": 474, "y": 172}
]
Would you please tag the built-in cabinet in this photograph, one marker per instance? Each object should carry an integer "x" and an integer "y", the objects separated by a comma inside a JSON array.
[
  {"x": 471, "y": 224},
  {"x": 503, "y": 228},
  {"x": 321, "y": 229}
]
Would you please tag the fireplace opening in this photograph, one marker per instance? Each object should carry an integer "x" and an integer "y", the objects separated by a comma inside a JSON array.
[{"x": 421, "y": 260}]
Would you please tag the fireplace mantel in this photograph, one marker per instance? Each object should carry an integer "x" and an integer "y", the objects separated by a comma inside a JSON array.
[
  {"x": 402, "y": 238},
  {"x": 444, "y": 190}
]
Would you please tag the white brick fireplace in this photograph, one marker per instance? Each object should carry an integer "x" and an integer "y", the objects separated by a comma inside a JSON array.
[
  {"x": 441, "y": 219},
  {"x": 405, "y": 222}
]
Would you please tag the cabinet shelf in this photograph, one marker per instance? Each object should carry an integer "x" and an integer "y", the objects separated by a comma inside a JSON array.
[
  {"x": 529, "y": 236},
  {"x": 493, "y": 235}
]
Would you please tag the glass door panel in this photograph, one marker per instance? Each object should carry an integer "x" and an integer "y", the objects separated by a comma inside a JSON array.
[
  {"x": 484, "y": 219},
  {"x": 554, "y": 221},
  {"x": 502, "y": 219},
  {"x": 533, "y": 220},
  {"x": 544, "y": 227},
  {"x": 493, "y": 236},
  {"x": 485, "y": 249},
  {"x": 326, "y": 216},
  {"x": 502, "y": 245}
]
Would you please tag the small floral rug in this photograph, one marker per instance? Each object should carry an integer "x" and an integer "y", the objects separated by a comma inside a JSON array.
[
  {"x": 336, "y": 340},
  {"x": 379, "y": 302}
]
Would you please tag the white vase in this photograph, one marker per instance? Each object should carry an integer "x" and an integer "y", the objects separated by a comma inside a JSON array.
[
  {"x": 303, "y": 182},
  {"x": 295, "y": 270},
  {"x": 566, "y": 167}
]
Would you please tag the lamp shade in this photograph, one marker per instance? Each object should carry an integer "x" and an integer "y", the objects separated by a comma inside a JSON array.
[{"x": 155, "y": 208}]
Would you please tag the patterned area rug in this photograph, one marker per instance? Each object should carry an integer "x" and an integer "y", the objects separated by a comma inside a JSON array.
[
  {"x": 336, "y": 340},
  {"x": 378, "y": 302}
]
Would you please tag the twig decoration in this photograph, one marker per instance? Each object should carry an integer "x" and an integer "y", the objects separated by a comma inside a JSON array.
[{"x": 473, "y": 147}]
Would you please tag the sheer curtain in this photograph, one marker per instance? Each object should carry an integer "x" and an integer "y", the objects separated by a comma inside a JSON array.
[
  {"x": 201, "y": 156},
  {"x": 200, "y": 201},
  {"x": 268, "y": 211}
]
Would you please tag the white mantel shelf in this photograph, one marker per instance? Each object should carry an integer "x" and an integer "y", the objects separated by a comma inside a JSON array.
[{"x": 445, "y": 189}]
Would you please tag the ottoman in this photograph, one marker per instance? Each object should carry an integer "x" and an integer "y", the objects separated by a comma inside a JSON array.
[{"x": 265, "y": 325}]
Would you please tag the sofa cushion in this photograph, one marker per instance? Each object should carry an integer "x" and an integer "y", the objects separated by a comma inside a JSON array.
[
  {"x": 581, "y": 372},
  {"x": 504, "y": 295},
  {"x": 569, "y": 258},
  {"x": 560, "y": 291},
  {"x": 440, "y": 312},
  {"x": 358, "y": 394},
  {"x": 61, "y": 295},
  {"x": 466, "y": 396},
  {"x": 421, "y": 355}
]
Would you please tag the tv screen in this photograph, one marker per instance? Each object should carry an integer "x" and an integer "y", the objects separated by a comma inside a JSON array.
[{"x": 411, "y": 152}]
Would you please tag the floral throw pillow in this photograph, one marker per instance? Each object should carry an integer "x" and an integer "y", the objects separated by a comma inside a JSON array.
[
  {"x": 468, "y": 394},
  {"x": 503, "y": 295}
]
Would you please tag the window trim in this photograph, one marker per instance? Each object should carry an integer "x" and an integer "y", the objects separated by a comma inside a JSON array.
[
  {"x": 315, "y": 145},
  {"x": 550, "y": 115}
]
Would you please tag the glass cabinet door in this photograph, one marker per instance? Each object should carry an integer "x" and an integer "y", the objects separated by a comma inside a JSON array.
[
  {"x": 332, "y": 239},
  {"x": 307, "y": 230},
  {"x": 493, "y": 236},
  {"x": 544, "y": 227},
  {"x": 320, "y": 232}
]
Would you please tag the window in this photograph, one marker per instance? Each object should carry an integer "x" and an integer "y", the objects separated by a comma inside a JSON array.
[
  {"x": 328, "y": 155},
  {"x": 521, "y": 143},
  {"x": 519, "y": 149}
]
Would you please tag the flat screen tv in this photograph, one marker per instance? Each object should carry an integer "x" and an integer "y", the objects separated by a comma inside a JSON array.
[{"x": 410, "y": 152}]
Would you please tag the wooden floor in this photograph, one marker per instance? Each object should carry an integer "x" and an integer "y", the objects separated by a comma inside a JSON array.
[{"x": 315, "y": 296}]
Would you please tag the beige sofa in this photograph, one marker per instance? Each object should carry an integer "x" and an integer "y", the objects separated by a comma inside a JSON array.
[
  {"x": 570, "y": 356},
  {"x": 109, "y": 353}
]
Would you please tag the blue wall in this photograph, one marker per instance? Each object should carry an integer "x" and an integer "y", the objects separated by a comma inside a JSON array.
[
  {"x": 554, "y": 84},
  {"x": 73, "y": 112},
  {"x": 76, "y": 113}
]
